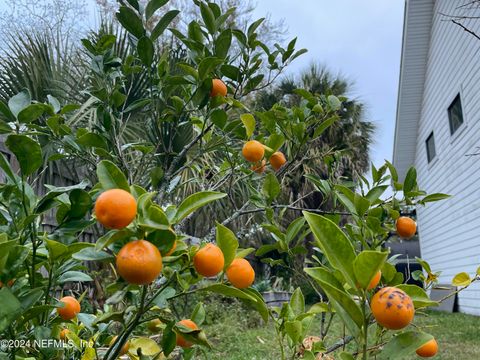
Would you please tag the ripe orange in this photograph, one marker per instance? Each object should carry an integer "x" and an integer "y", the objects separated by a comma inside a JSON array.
[
  {"x": 406, "y": 227},
  {"x": 180, "y": 339},
  {"x": 154, "y": 325},
  {"x": 392, "y": 308},
  {"x": 277, "y": 160},
  {"x": 375, "y": 280},
  {"x": 209, "y": 260},
  {"x": 63, "y": 334},
  {"x": 240, "y": 273},
  {"x": 115, "y": 208},
  {"x": 259, "y": 167},
  {"x": 253, "y": 151},
  {"x": 218, "y": 88},
  {"x": 71, "y": 308},
  {"x": 428, "y": 349},
  {"x": 139, "y": 262},
  {"x": 125, "y": 346}
]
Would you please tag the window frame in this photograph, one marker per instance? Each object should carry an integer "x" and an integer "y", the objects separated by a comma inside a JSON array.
[
  {"x": 429, "y": 157},
  {"x": 458, "y": 98}
]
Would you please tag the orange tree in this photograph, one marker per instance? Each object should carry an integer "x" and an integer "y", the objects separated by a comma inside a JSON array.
[{"x": 158, "y": 139}]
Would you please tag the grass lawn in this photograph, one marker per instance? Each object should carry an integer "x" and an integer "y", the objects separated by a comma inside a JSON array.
[{"x": 457, "y": 335}]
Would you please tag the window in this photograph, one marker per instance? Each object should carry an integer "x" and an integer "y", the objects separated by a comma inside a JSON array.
[
  {"x": 455, "y": 115},
  {"x": 430, "y": 147}
]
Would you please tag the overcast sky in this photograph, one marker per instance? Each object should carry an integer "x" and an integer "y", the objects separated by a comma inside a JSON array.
[{"x": 360, "y": 39}]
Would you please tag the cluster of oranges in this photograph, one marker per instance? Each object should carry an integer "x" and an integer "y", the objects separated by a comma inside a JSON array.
[
  {"x": 209, "y": 261},
  {"x": 392, "y": 307},
  {"x": 139, "y": 262},
  {"x": 254, "y": 151}
]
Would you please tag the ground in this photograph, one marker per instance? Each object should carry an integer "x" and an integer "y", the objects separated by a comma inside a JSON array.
[{"x": 457, "y": 335}]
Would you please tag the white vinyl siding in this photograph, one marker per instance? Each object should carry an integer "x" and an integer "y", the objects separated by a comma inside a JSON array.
[
  {"x": 416, "y": 39},
  {"x": 450, "y": 230}
]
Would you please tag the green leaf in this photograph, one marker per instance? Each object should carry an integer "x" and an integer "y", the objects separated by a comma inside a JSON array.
[
  {"x": 294, "y": 228},
  {"x": 5, "y": 111},
  {"x": 341, "y": 301},
  {"x": 10, "y": 308},
  {"x": 334, "y": 102},
  {"x": 195, "y": 201},
  {"x": 434, "y": 197},
  {"x": 271, "y": 187},
  {"x": 198, "y": 314},
  {"x": 294, "y": 330},
  {"x": 248, "y": 121},
  {"x": 418, "y": 295},
  {"x": 137, "y": 104},
  {"x": 208, "y": 18},
  {"x": 19, "y": 102},
  {"x": 243, "y": 253},
  {"x": 47, "y": 201},
  {"x": 163, "y": 24},
  {"x": 297, "y": 302},
  {"x": 320, "y": 129},
  {"x": 229, "y": 291},
  {"x": 410, "y": 180},
  {"x": 169, "y": 338},
  {"x": 92, "y": 140},
  {"x": 346, "y": 356},
  {"x": 155, "y": 218},
  {"x": 5, "y": 128},
  {"x": 69, "y": 276},
  {"x": 222, "y": 43},
  {"x": 5, "y": 166},
  {"x": 265, "y": 249},
  {"x": 161, "y": 300},
  {"x": 404, "y": 344},
  {"x": 366, "y": 266},
  {"x": 90, "y": 254},
  {"x": 130, "y": 21},
  {"x": 152, "y": 6},
  {"x": 361, "y": 204},
  {"x": 227, "y": 242},
  {"x": 55, "y": 249},
  {"x": 254, "y": 26},
  {"x": 207, "y": 66},
  {"x": 334, "y": 244},
  {"x": 111, "y": 177},
  {"x": 461, "y": 279},
  {"x": 375, "y": 193},
  {"x": 27, "y": 151},
  {"x": 31, "y": 113},
  {"x": 219, "y": 118},
  {"x": 145, "y": 51},
  {"x": 147, "y": 347}
]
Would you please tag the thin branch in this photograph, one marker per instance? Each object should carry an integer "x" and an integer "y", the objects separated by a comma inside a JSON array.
[
  {"x": 465, "y": 28},
  {"x": 339, "y": 344}
]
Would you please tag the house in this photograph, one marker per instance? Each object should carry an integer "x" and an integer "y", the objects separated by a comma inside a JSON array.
[{"x": 437, "y": 127}]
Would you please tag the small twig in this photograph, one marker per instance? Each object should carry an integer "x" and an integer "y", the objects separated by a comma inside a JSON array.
[
  {"x": 465, "y": 28},
  {"x": 339, "y": 344}
]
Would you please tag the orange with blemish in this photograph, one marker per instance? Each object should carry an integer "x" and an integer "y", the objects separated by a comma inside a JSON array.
[{"x": 392, "y": 308}]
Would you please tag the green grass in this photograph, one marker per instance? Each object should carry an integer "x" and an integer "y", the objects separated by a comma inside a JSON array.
[{"x": 241, "y": 338}]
